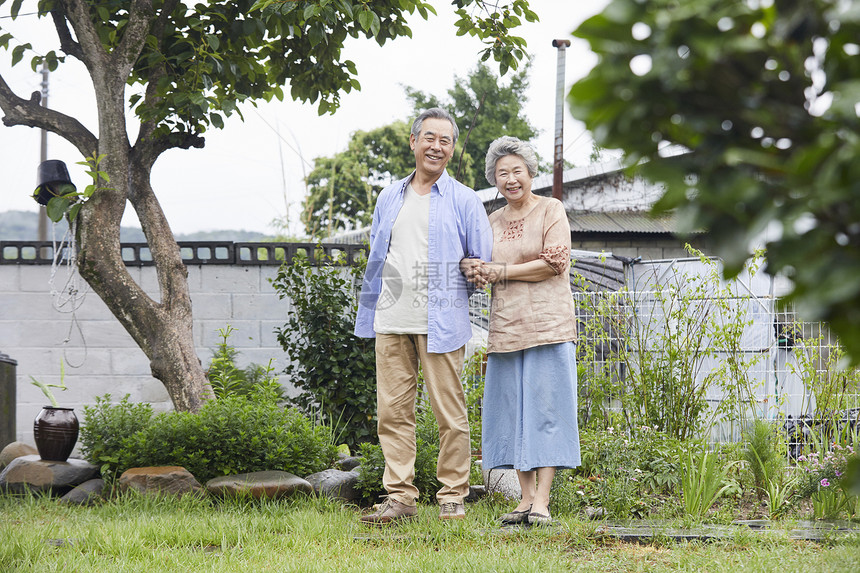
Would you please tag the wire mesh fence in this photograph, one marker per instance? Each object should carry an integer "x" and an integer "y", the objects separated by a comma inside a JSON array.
[{"x": 693, "y": 355}]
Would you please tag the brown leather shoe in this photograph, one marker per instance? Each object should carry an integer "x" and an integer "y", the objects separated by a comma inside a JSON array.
[
  {"x": 389, "y": 511},
  {"x": 452, "y": 510}
]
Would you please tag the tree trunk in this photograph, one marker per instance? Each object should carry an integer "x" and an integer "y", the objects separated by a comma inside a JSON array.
[{"x": 162, "y": 328}]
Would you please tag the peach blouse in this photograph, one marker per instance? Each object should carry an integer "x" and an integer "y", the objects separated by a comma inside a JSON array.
[{"x": 527, "y": 314}]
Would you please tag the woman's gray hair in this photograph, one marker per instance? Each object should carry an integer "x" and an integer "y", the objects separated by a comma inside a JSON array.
[
  {"x": 507, "y": 145},
  {"x": 435, "y": 113}
]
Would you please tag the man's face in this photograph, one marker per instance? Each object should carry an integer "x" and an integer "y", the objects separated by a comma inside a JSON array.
[{"x": 433, "y": 147}]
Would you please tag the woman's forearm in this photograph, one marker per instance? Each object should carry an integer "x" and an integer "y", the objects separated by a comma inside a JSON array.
[{"x": 532, "y": 271}]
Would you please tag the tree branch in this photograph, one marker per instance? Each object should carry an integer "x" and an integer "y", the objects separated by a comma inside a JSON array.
[
  {"x": 20, "y": 111},
  {"x": 67, "y": 43}
]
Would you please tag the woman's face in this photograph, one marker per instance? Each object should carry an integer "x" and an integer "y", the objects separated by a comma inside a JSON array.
[{"x": 513, "y": 180}]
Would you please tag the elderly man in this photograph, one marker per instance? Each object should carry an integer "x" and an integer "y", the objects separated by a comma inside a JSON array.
[{"x": 414, "y": 300}]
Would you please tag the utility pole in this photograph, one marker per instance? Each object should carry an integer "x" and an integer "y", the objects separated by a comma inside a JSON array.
[
  {"x": 558, "y": 155},
  {"x": 43, "y": 213}
]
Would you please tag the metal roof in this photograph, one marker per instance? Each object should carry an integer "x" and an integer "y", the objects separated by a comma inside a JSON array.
[{"x": 621, "y": 222}]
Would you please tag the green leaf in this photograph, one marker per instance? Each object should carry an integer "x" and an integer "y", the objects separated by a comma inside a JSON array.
[
  {"x": 18, "y": 53},
  {"x": 365, "y": 19},
  {"x": 56, "y": 208}
]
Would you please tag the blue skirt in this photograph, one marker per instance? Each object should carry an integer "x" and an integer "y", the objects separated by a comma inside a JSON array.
[{"x": 529, "y": 409}]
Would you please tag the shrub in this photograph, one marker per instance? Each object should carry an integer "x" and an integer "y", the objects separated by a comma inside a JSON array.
[
  {"x": 619, "y": 472},
  {"x": 229, "y": 380},
  {"x": 765, "y": 462},
  {"x": 334, "y": 369},
  {"x": 106, "y": 426},
  {"x": 232, "y": 435}
]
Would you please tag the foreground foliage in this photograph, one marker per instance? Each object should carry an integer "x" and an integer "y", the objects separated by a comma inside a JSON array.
[{"x": 764, "y": 96}]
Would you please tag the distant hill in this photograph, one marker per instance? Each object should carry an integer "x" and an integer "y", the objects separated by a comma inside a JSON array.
[{"x": 24, "y": 226}]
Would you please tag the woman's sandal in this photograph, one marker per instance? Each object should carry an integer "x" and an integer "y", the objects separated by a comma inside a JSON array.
[
  {"x": 535, "y": 518},
  {"x": 515, "y": 517}
]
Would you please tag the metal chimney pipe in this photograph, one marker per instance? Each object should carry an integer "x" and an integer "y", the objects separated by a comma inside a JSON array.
[{"x": 558, "y": 156}]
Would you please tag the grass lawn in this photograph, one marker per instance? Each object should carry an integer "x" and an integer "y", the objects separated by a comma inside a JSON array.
[{"x": 136, "y": 533}]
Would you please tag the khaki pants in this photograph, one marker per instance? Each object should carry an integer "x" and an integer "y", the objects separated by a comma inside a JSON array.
[{"x": 397, "y": 359}]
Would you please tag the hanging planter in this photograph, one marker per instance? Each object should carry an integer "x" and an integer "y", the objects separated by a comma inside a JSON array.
[
  {"x": 52, "y": 180},
  {"x": 56, "y": 433}
]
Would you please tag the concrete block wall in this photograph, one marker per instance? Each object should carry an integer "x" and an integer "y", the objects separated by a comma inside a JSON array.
[{"x": 100, "y": 356}]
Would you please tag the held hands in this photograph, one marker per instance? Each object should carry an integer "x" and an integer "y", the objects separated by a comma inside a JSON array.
[{"x": 481, "y": 273}]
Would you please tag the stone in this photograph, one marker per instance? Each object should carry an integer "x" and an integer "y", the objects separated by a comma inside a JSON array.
[
  {"x": 476, "y": 492},
  {"x": 347, "y": 463},
  {"x": 267, "y": 484},
  {"x": 595, "y": 512},
  {"x": 88, "y": 493},
  {"x": 335, "y": 484},
  {"x": 172, "y": 480},
  {"x": 502, "y": 481},
  {"x": 32, "y": 473},
  {"x": 15, "y": 450}
]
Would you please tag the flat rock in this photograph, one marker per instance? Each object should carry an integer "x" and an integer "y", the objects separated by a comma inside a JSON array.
[
  {"x": 476, "y": 492},
  {"x": 173, "y": 480},
  {"x": 88, "y": 493},
  {"x": 268, "y": 484},
  {"x": 335, "y": 484},
  {"x": 32, "y": 473},
  {"x": 347, "y": 463}
]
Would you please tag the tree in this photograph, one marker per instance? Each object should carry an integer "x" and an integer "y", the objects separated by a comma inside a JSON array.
[
  {"x": 185, "y": 67},
  {"x": 343, "y": 188},
  {"x": 485, "y": 109},
  {"x": 763, "y": 96}
]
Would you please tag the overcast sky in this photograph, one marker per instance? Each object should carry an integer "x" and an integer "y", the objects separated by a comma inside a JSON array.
[{"x": 248, "y": 173}]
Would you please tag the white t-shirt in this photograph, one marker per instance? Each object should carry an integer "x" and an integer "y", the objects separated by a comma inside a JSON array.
[{"x": 402, "y": 305}]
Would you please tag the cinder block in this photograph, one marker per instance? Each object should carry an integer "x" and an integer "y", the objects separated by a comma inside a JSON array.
[
  {"x": 240, "y": 279},
  {"x": 39, "y": 334},
  {"x": 195, "y": 278},
  {"x": 10, "y": 277},
  {"x": 262, "y": 356},
  {"x": 245, "y": 335},
  {"x": 36, "y": 278},
  {"x": 129, "y": 362},
  {"x": 215, "y": 306},
  {"x": 106, "y": 334},
  {"x": 153, "y": 392},
  {"x": 254, "y": 306},
  {"x": 268, "y": 336}
]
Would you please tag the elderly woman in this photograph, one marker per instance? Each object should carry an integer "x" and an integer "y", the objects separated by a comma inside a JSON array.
[{"x": 529, "y": 408}]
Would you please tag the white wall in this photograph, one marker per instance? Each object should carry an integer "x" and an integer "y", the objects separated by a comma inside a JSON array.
[{"x": 101, "y": 357}]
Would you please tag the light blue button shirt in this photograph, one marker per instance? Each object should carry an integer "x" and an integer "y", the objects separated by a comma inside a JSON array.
[{"x": 458, "y": 228}]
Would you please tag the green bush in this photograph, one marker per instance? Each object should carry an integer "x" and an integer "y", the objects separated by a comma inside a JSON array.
[
  {"x": 765, "y": 462},
  {"x": 620, "y": 472},
  {"x": 228, "y": 380},
  {"x": 236, "y": 434},
  {"x": 106, "y": 426},
  {"x": 334, "y": 369}
]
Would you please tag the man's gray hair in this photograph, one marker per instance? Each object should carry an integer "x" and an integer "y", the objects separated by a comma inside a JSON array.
[
  {"x": 435, "y": 113},
  {"x": 507, "y": 145}
]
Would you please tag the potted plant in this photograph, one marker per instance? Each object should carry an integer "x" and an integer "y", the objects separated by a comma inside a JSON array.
[{"x": 55, "y": 429}]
